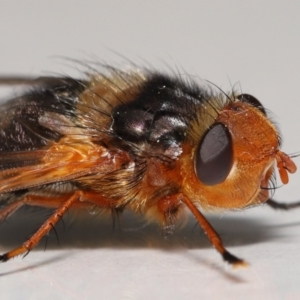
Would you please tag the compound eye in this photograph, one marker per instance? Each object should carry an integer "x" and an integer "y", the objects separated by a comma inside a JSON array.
[
  {"x": 252, "y": 101},
  {"x": 214, "y": 155}
]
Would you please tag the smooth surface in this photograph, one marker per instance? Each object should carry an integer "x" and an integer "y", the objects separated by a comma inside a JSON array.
[{"x": 251, "y": 45}]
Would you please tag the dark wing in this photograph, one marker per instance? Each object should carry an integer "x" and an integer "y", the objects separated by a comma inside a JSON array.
[
  {"x": 32, "y": 131},
  {"x": 21, "y": 118}
]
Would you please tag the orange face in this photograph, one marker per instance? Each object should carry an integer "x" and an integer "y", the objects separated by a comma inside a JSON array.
[{"x": 251, "y": 148}]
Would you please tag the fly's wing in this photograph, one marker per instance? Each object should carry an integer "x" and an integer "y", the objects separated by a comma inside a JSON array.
[
  {"x": 20, "y": 126},
  {"x": 40, "y": 139},
  {"x": 44, "y": 167}
]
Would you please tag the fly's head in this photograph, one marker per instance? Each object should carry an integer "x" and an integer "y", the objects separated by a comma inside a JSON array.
[{"x": 233, "y": 160}]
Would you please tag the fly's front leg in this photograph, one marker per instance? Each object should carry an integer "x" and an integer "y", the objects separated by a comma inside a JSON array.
[
  {"x": 170, "y": 208},
  {"x": 213, "y": 236},
  {"x": 283, "y": 206},
  {"x": 44, "y": 229}
]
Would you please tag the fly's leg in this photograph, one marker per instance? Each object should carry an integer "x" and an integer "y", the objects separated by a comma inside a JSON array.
[
  {"x": 283, "y": 206},
  {"x": 33, "y": 200},
  {"x": 213, "y": 236},
  {"x": 79, "y": 200},
  {"x": 44, "y": 229},
  {"x": 10, "y": 209},
  {"x": 170, "y": 208}
]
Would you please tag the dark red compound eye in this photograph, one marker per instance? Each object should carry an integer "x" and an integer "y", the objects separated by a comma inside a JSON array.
[
  {"x": 214, "y": 157},
  {"x": 252, "y": 101}
]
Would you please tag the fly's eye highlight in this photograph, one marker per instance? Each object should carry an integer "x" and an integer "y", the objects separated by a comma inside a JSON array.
[
  {"x": 252, "y": 101},
  {"x": 214, "y": 157}
]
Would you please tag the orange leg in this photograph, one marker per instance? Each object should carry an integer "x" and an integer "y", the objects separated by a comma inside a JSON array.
[
  {"x": 44, "y": 229},
  {"x": 213, "y": 236},
  {"x": 170, "y": 208},
  {"x": 33, "y": 200},
  {"x": 62, "y": 203},
  {"x": 10, "y": 209},
  {"x": 53, "y": 202}
]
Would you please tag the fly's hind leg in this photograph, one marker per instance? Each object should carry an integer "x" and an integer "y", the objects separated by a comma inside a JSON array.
[
  {"x": 79, "y": 199},
  {"x": 44, "y": 229},
  {"x": 10, "y": 209},
  {"x": 32, "y": 200}
]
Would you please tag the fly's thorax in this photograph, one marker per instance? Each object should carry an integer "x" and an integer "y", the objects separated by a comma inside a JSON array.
[{"x": 103, "y": 94}]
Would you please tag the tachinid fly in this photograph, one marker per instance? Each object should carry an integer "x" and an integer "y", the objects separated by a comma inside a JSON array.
[{"x": 138, "y": 140}]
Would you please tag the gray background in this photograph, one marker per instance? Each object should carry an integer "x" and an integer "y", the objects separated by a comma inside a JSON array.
[{"x": 254, "y": 44}]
